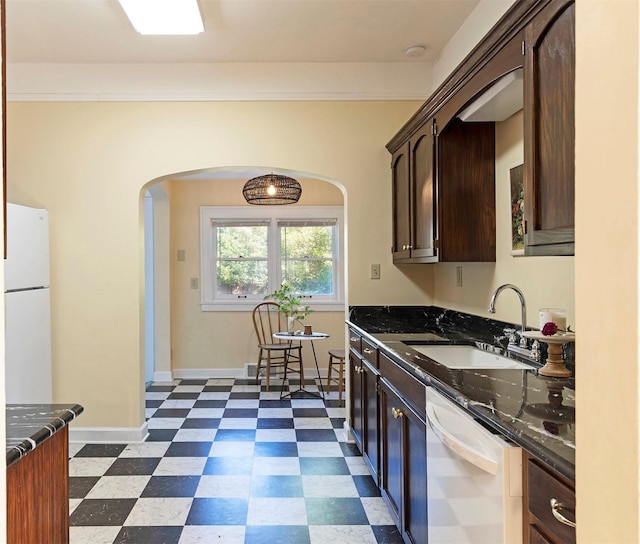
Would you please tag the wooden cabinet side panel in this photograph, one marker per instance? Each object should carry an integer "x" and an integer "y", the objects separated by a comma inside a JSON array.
[{"x": 37, "y": 494}]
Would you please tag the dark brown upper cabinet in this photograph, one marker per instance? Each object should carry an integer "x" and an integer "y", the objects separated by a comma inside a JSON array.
[
  {"x": 466, "y": 192},
  {"x": 443, "y": 159},
  {"x": 414, "y": 213},
  {"x": 549, "y": 114}
]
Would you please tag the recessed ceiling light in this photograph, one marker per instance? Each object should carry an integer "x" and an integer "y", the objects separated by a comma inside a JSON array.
[
  {"x": 165, "y": 17},
  {"x": 415, "y": 50}
]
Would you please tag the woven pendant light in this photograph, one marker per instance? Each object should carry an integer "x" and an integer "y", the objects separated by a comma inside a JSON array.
[{"x": 272, "y": 189}]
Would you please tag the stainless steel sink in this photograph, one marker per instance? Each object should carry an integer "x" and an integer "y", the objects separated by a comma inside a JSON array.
[{"x": 467, "y": 357}]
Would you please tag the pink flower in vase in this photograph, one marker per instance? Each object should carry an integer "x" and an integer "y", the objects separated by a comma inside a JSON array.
[{"x": 549, "y": 329}]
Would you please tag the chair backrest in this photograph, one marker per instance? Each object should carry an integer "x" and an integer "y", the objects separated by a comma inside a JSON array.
[{"x": 268, "y": 319}]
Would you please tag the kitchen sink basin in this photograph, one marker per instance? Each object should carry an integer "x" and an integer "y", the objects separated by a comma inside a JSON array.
[{"x": 467, "y": 357}]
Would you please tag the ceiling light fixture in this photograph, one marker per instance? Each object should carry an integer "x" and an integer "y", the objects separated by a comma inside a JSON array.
[
  {"x": 165, "y": 17},
  {"x": 272, "y": 189},
  {"x": 415, "y": 51}
]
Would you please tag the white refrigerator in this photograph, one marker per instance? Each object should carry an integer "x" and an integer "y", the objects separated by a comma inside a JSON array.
[{"x": 28, "y": 377}]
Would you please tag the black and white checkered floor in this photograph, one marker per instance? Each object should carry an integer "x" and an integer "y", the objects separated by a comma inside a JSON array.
[{"x": 228, "y": 462}]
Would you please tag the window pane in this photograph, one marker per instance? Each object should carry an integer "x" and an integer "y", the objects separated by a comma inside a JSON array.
[
  {"x": 241, "y": 242},
  {"x": 241, "y": 267},
  {"x": 307, "y": 258},
  {"x": 243, "y": 277},
  {"x": 309, "y": 277},
  {"x": 306, "y": 242}
]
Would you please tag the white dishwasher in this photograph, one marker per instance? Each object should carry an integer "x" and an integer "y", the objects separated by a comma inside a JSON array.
[{"x": 474, "y": 479}]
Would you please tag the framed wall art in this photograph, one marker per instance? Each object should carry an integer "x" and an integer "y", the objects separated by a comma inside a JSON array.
[{"x": 516, "y": 178}]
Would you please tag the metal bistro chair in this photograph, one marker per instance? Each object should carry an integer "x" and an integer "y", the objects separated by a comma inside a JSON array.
[
  {"x": 338, "y": 355},
  {"x": 276, "y": 356}
]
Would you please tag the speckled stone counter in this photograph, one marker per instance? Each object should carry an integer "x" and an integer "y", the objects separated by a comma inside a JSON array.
[
  {"x": 30, "y": 425},
  {"x": 535, "y": 412}
]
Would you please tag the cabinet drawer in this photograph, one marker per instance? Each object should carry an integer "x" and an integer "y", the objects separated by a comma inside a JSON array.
[
  {"x": 410, "y": 389},
  {"x": 355, "y": 341},
  {"x": 370, "y": 352},
  {"x": 543, "y": 487}
]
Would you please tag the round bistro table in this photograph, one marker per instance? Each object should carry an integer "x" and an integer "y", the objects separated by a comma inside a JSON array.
[{"x": 302, "y": 338}]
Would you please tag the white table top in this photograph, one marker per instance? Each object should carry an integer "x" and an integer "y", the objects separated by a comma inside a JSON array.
[{"x": 288, "y": 336}]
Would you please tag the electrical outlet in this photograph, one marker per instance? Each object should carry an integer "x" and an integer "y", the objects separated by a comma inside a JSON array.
[
  {"x": 458, "y": 276},
  {"x": 375, "y": 271},
  {"x": 194, "y": 283}
]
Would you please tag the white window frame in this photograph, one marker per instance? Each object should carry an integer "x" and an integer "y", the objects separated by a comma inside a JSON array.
[{"x": 208, "y": 214}]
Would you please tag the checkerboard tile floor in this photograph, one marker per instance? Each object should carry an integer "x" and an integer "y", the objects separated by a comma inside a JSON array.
[{"x": 228, "y": 462}]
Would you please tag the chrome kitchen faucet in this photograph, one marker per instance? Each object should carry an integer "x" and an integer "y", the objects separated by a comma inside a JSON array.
[{"x": 522, "y": 349}]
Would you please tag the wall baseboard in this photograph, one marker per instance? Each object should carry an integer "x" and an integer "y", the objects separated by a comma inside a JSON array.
[
  {"x": 348, "y": 435},
  {"x": 109, "y": 434},
  {"x": 248, "y": 371},
  {"x": 164, "y": 376},
  {"x": 205, "y": 373}
]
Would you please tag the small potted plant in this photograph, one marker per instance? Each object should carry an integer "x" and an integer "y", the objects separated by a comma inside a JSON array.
[{"x": 290, "y": 305}]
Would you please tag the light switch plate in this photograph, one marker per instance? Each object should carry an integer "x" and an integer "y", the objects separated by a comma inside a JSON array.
[
  {"x": 375, "y": 271},
  {"x": 458, "y": 276}
]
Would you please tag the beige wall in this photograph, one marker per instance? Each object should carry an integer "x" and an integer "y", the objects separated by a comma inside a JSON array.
[
  {"x": 607, "y": 270},
  {"x": 226, "y": 340},
  {"x": 545, "y": 281},
  {"x": 87, "y": 164}
]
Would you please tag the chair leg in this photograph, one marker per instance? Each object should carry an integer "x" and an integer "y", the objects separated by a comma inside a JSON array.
[
  {"x": 329, "y": 373},
  {"x": 268, "y": 372},
  {"x": 259, "y": 366},
  {"x": 340, "y": 377}
]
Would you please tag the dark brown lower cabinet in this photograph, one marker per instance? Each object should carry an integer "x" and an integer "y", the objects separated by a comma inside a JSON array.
[
  {"x": 37, "y": 494},
  {"x": 546, "y": 491},
  {"x": 364, "y": 411},
  {"x": 356, "y": 398},
  {"x": 403, "y": 464}
]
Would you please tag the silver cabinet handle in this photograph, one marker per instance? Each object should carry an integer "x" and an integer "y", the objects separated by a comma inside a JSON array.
[
  {"x": 353, "y": 339},
  {"x": 368, "y": 351},
  {"x": 556, "y": 507},
  {"x": 396, "y": 412}
]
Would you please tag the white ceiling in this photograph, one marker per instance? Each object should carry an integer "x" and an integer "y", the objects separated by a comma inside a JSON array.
[
  {"x": 250, "y": 50},
  {"x": 236, "y": 31}
]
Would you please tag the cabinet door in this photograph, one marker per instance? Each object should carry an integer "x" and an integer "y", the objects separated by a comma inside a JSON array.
[
  {"x": 392, "y": 449},
  {"x": 535, "y": 537},
  {"x": 371, "y": 424},
  {"x": 355, "y": 381},
  {"x": 549, "y": 81},
  {"x": 423, "y": 203},
  {"x": 415, "y": 468},
  {"x": 401, "y": 193},
  {"x": 466, "y": 192}
]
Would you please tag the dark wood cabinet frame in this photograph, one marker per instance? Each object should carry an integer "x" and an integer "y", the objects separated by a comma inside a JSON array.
[{"x": 526, "y": 38}]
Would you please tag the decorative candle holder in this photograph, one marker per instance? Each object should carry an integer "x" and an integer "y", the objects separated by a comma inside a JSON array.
[{"x": 554, "y": 365}]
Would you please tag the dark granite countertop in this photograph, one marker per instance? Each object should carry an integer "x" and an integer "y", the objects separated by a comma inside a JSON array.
[
  {"x": 29, "y": 425},
  {"x": 533, "y": 411}
]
